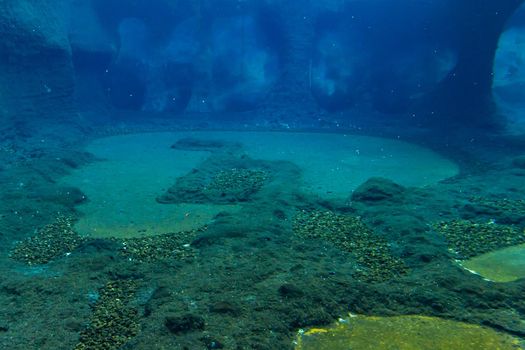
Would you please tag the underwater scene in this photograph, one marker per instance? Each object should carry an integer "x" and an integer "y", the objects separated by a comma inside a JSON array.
[{"x": 262, "y": 174}]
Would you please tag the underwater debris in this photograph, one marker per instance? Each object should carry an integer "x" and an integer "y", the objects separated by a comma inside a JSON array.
[
  {"x": 114, "y": 320},
  {"x": 412, "y": 332},
  {"x": 52, "y": 241},
  {"x": 165, "y": 246},
  {"x": 469, "y": 239},
  {"x": 350, "y": 234}
]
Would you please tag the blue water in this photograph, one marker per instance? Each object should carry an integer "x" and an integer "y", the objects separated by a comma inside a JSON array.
[{"x": 219, "y": 174}]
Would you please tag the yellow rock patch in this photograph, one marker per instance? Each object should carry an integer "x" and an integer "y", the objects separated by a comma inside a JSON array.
[{"x": 403, "y": 333}]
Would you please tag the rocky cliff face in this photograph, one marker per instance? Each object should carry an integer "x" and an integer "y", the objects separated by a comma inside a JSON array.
[
  {"x": 50, "y": 49},
  {"x": 36, "y": 71}
]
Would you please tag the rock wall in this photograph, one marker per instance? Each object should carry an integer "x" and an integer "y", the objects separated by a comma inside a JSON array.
[
  {"x": 36, "y": 69},
  {"x": 39, "y": 51},
  {"x": 464, "y": 98},
  {"x": 291, "y": 98}
]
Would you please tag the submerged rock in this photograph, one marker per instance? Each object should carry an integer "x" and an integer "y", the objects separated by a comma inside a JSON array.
[
  {"x": 223, "y": 187},
  {"x": 501, "y": 210},
  {"x": 184, "y": 324},
  {"x": 66, "y": 195},
  {"x": 378, "y": 189},
  {"x": 225, "y": 307},
  {"x": 288, "y": 290},
  {"x": 193, "y": 144}
]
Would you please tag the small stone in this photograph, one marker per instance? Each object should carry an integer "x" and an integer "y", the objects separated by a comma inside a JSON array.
[{"x": 212, "y": 343}]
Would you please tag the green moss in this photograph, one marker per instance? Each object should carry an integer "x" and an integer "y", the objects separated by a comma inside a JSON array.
[
  {"x": 350, "y": 234},
  {"x": 50, "y": 242},
  {"x": 469, "y": 239},
  {"x": 403, "y": 333},
  {"x": 114, "y": 321}
]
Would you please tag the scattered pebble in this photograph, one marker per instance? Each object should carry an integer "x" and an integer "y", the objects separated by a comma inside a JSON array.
[
  {"x": 165, "y": 246},
  {"x": 469, "y": 239},
  {"x": 52, "y": 241},
  {"x": 350, "y": 234},
  {"x": 237, "y": 184},
  {"x": 114, "y": 321}
]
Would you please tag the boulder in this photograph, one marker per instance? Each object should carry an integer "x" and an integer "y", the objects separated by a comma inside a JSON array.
[{"x": 377, "y": 189}]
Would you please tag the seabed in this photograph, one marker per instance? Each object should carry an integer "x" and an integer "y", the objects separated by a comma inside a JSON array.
[{"x": 228, "y": 238}]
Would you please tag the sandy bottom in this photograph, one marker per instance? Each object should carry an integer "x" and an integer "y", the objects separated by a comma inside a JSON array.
[
  {"x": 502, "y": 265},
  {"x": 135, "y": 169},
  {"x": 123, "y": 185}
]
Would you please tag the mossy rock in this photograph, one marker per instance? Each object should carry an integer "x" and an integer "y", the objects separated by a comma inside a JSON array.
[
  {"x": 185, "y": 323},
  {"x": 378, "y": 189},
  {"x": 195, "y": 144},
  {"x": 235, "y": 185},
  {"x": 501, "y": 210}
]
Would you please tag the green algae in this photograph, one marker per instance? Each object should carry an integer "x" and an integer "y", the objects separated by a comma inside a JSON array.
[
  {"x": 510, "y": 206},
  {"x": 403, "y": 333}
]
